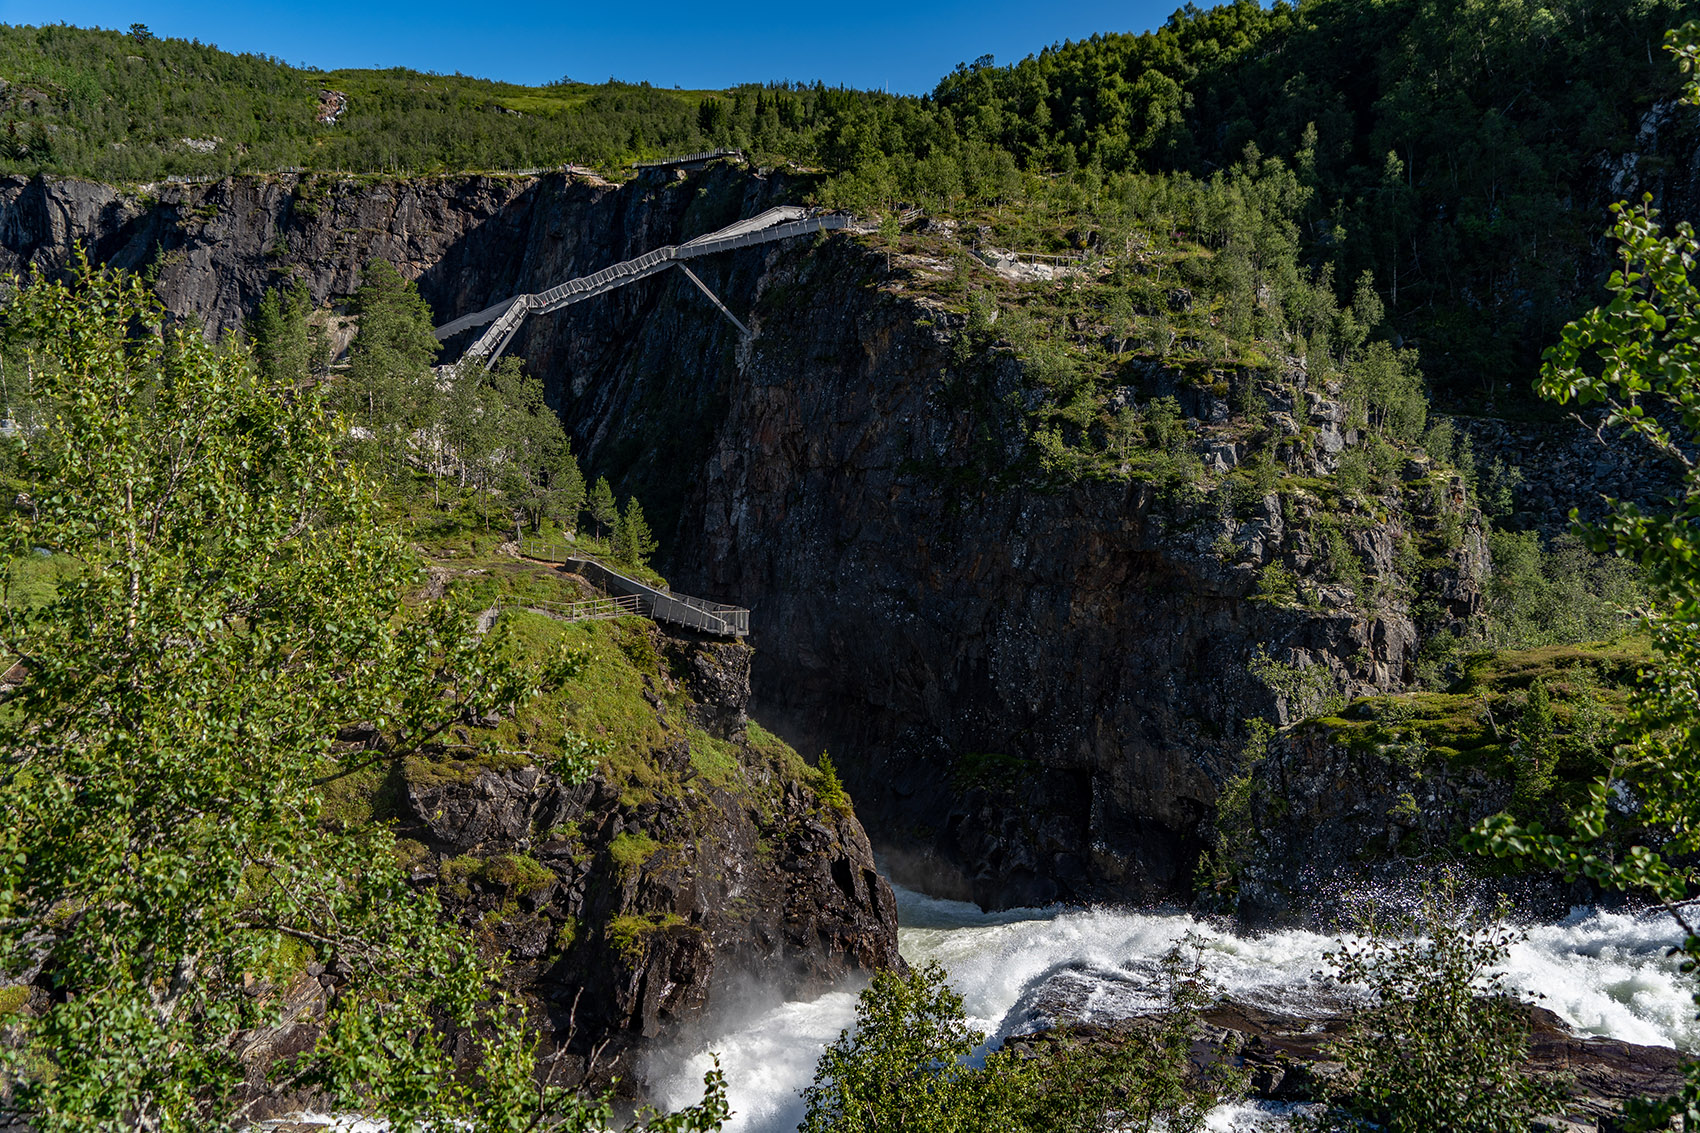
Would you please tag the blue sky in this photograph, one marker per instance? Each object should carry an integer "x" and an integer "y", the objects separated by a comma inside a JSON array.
[{"x": 691, "y": 43}]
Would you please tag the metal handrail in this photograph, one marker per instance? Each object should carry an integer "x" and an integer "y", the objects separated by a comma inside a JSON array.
[
  {"x": 586, "y": 610},
  {"x": 688, "y": 159},
  {"x": 653, "y": 602},
  {"x": 504, "y": 318}
]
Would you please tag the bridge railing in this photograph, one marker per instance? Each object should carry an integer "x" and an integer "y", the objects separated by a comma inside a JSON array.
[
  {"x": 503, "y": 319},
  {"x": 588, "y": 609},
  {"x": 653, "y": 602}
]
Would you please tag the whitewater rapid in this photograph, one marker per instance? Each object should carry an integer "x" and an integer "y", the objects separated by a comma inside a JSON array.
[{"x": 1603, "y": 973}]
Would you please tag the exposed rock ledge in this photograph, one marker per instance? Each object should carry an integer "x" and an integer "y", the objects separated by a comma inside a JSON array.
[{"x": 1286, "y": 1057}]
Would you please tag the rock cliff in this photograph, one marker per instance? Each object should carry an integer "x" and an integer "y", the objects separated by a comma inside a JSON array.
[
  {"x": 623, "y": 916},
  {"x": 1035, "y": 687},
  {"x": 622, "y": 909}
]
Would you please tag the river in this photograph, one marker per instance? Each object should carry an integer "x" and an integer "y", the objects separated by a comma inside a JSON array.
[{"x": 1604, "y": 973}]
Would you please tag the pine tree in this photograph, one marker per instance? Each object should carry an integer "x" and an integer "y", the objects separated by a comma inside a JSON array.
[
  {"x": 567, "y": 493},
  {"x": 390, "y": 389},
  {"x": 602, "y": 508},
  {"x": 633, "y": 540},
  {"x": 287, "y": 348}
]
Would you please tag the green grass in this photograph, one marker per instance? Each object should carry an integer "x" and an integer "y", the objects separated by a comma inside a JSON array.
[
  {"x": 781, "y": 754},
  {"x": 628, "y": 934},
  {"x": 34, "y": 579},
  {"x": 630, "y": 851},
  {"x": 716, "y": 760},
  {"x": 1472, "y": 723}
]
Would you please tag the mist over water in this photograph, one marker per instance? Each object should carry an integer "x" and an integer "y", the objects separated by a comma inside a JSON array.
[{"x": 1603, "y": 973}]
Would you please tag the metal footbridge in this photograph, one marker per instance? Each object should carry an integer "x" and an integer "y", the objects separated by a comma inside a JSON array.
[{"x": 504, "y": 318}]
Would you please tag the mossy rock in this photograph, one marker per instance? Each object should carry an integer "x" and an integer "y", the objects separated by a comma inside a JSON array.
[
  {"x": 629, "y": 935},
  {"x": 13, "y": 1000},
  {"x": 631, "y": 850},
  {"x": 515, "y": 874}
]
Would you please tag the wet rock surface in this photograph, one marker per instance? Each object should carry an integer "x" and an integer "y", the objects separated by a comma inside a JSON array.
[{"x": 1287, "y": 1058}]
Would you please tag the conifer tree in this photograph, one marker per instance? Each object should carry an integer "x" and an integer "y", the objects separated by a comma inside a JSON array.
[
  {"x": 603, "y": 511},
  {"x": 633, "y": 540},
  {"x": 287, "y": 347},
  {"x": 390, "y": 389}
]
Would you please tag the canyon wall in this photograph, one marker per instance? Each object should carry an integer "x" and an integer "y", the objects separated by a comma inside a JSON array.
[{"x": 1035, "y": 688}]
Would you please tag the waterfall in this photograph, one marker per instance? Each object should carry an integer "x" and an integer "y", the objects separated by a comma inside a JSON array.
[{"x": 1603, "y": 973}]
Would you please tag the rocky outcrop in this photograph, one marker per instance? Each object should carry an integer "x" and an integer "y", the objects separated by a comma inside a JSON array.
[
  {"x": 1328, "y": 820},
  {"x": 925, "y": 603},
  {"x": 623, "y": 919},
  {"x": 1287, "y": 1056},
  {"x": 1569, "y": 465}
]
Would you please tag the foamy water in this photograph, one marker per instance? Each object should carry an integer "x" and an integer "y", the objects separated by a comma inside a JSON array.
[{"x": 1603, "y": 973}]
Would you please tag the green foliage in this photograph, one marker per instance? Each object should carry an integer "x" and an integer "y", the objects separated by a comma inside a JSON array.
[
  {"x": 1344, "y": 566},
  {"x": 1143, "y": 1082},
  {"x": 1475, "y": 719},
  {"x": 1300, "y": 690},
  {"x": 389, "y": 390},
  {"x": 492, "y": 430},
  {"x": 1386, "y": 388},
  {"x": 633, "y": 541},
  {"x": 1535, "y": 749},
  {"x": 905, "y": 1066},
  {"x": 578, "y": 758},
  {"x": 1277, "y": 585},
  {"x": 1555, "y": 596},
  {"x": 1444, "y": 1044},
  {"x": 1232, "y": 834},
  {"x": 288, "y": 348},
  {"x": 603, "y": 511},
  {"x": 502, "y": 434},
  {"x": 1639, "y": 356},
  {"x": 629, "y": 933},
  {"x": 160, "y": 764},
  {"x": 829, "y": 787}
]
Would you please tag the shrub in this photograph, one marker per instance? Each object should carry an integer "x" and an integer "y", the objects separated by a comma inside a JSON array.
[{"x": 1443, "y": 1045}]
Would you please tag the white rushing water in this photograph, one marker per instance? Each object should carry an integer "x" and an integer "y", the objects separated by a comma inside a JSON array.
[{"x": 1604, "y": 973}]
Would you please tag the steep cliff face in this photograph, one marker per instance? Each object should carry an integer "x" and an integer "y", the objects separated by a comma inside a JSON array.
[
  {"x": 1035, "y": 688},
  {"x": 1038, "y": 689},
  {"x": 624, "y": 916},
  {"x": 1359, "y": 798}
]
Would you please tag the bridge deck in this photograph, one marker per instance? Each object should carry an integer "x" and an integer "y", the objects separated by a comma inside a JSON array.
[{"x": 504, "y": 318}]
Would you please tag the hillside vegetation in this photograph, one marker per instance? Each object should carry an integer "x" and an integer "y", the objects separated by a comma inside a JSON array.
[{"x": 1453, "y": 148}]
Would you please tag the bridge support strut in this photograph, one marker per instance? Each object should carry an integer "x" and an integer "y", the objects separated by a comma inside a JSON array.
[{"x": 713, "y": 298}]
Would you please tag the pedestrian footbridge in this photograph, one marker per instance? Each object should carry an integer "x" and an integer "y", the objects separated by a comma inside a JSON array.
[{"x": 503, "y": 319}]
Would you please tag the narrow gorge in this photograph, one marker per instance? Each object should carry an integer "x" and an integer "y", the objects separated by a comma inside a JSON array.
[{"x": 1036, "y": 686}]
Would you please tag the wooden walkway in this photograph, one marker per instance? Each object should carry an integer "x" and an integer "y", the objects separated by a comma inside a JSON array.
[{"x": 629, "y": 596}]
